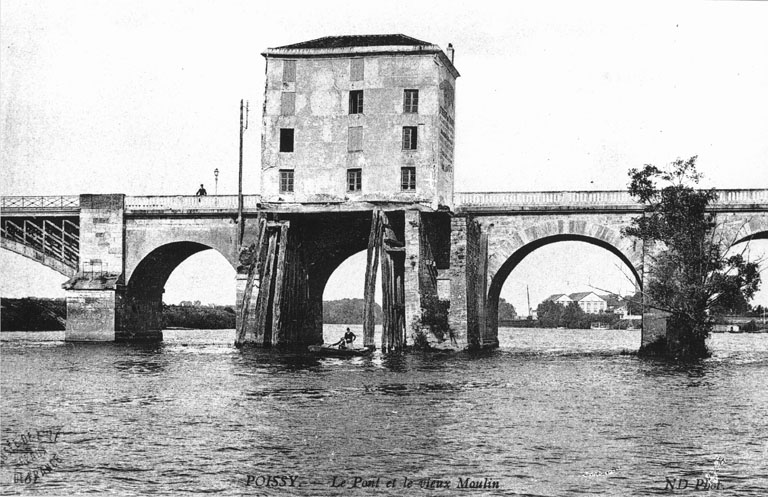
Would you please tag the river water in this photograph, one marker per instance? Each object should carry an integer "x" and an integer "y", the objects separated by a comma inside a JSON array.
[{"x": 552, "y": 412}]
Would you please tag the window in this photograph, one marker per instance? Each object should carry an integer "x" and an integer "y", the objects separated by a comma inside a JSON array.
[
  {"x": 411, "y": 101},
  {"x": 287, "y": 103},
  {"x": 356, "y": 102},
  {"x": 289, "y": 71},
  {"x": 354, "y": 180},
  {"x": 286, "y": 139},
  {"x": 355, "y": 139},
  {"x": 408, "y": 178},
  {"x": 410, "y": 141},
  {"x": 356, "y": 69},
  {"x": 286, "y": 181}
]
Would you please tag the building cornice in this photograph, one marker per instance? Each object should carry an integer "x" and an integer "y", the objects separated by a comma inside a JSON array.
[{"x": 306, "y": 53}]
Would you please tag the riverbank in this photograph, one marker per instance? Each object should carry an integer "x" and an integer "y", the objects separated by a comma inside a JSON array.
[
  {"x": 39, "y": 314},
  {"x": 33, "y": 314}
]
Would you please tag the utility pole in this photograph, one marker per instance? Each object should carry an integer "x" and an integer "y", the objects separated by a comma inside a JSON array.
[
  {"x": 530, "y": 311},
  {"x": 241, "y": 228}
]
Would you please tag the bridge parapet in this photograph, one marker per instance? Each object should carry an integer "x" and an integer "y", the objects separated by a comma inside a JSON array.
[
  {"x": 63, "y": 205},
  {"x": 614, "y": 200},
  {"x": 551, "y": 199},
  {"x": 161, "y": 204}
]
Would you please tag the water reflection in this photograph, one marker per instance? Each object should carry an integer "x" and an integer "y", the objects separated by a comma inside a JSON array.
[{"x": 546, "y": 414}]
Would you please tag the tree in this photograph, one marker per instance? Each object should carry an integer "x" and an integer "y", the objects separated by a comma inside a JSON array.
[
  {"x": 506, "y": 310},
  {"x": 573, "y": 316},
  {"x": 550, "y": 314},
  {"x": 688, "y": 271}
]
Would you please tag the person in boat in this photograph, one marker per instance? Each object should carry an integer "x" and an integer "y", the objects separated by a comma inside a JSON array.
[
  {"x": 346, "y": 340},
  {"x": 349, "y": 337}
]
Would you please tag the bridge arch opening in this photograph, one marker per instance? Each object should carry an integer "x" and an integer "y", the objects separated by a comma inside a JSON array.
[
  {"x": 754, "y": 248},
  {"x": 558, "y": 264},
  {"x": 343, "y": 299},
  {"x": 190, "y": 271}
]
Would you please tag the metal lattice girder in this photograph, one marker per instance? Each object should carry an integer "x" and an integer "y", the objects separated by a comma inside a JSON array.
[
  {"x": 55, "y": 237},
  {"x": 48, "y": 203}
]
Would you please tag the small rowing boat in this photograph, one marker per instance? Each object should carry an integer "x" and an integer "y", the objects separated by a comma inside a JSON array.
[{"x": 328, "y": 350}]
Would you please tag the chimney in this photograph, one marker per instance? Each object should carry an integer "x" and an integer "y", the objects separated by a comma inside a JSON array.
[{"x": 450, "y": 52}]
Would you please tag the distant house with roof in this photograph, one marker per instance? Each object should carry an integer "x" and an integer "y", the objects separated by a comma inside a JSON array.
[
  {"x": 620, "y": 306},
  {"x": 590, "y": 302},
  {"x": 559, "y": 298}
]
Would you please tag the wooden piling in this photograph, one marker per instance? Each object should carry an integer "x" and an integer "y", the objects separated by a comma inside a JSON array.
[
  {"x": 398, "y": 293},
  {"x": 372, "y": 261},
  {"x": 386, "y": 302},
  {"x": 392, "y": 290},
  {"x": 282, "y": 247},
  {"x": 248, "y": 291},
  {"x": 263, "y": 325}
]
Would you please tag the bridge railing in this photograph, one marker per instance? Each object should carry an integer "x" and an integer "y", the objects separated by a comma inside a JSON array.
[
  {"x": 41, "y": 203},
  {"x": 462, "y": 200},
  {"x": 740, "y": 197},
  {"x": 185, "y": 203},
  {"x": 605, "y": 198},
  {"x": 543, "y": 199}
]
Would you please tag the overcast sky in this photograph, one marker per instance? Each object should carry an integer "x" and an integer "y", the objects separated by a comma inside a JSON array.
[{"x": 141, "y": 97}]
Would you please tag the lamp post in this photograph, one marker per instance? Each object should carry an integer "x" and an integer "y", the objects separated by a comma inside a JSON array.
[{"x": 216, "y": 176}]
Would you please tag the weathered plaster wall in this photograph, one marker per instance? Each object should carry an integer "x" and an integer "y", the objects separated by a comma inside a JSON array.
[{"x": 321, "y": 121}]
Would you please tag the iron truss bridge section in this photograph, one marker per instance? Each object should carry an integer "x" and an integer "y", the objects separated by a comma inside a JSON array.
[{"x": 42, "y": 237}]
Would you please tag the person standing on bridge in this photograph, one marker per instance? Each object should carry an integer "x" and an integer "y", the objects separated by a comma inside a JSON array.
[{"x": 201, "y": 192}]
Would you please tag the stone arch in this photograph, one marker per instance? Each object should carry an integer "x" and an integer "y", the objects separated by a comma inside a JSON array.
[
  {"x": 506, "y": 252},
  {"x": 331, "y": 264},
  {"x": 754, "y": 228},
  {"x": 145, "y": 238},
  {"x": 326, "y": 248},
  {"x": 143, "y": 293}
]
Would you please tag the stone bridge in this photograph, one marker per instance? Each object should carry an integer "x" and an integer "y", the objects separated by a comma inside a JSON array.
[{"x": 119, "y": 251}]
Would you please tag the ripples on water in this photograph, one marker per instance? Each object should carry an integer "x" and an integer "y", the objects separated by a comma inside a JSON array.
[{"x": 552, "y": 412}]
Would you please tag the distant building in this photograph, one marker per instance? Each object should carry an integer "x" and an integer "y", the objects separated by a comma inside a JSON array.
[
  {"x": 614, "y": 303},
  {"x": 726, "y": 327},
  {"x": 559, "y": 298},
  {"x": 359, "y": 118},
  {"x": 590, "y": 302}
]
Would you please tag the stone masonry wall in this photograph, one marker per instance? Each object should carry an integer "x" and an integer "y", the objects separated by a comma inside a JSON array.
[
  {"x": 102, "y": 232},
  {"x": 90, "y": 316}
]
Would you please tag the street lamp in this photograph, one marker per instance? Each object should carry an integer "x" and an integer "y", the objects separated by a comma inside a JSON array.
[{"x": 216, "y": 176}]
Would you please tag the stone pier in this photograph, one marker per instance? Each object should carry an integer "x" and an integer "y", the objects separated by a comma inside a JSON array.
[{"x": 95, "y": 293}]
